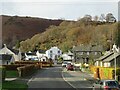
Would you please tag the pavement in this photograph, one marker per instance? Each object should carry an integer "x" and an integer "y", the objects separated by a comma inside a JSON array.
[{"x": 77, "y": 79}]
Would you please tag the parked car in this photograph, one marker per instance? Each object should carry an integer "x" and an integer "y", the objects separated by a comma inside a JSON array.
[
  {"x": 64, "y": 64},
  {"x": 70, "y": 66},
  {"x": 77, "y": 66},
  {"x": 106, "y": 85}
]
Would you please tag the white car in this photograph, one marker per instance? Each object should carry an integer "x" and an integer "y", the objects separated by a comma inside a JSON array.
[{"x": 64, "y": 64}]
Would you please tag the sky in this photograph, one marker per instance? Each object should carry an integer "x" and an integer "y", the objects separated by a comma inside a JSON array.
[{"x": 58, "y": 9}]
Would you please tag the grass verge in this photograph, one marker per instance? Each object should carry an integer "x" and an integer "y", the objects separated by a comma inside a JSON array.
[
  {"x": 12, "y": 74},
  {"x": 14, "y": 85}
]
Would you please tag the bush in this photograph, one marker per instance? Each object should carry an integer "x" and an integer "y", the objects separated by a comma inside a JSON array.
[
  {"x": 26, "y": 62},
  {"x": 26, "y": 70},
  {"x": 12, "y": 67},
  {"x": 118, "y": 71}
]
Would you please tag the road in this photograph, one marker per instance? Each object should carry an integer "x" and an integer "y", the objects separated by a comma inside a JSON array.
[
  {"x": 78, "y": 79},
  {"x": 48, "y": 78}
]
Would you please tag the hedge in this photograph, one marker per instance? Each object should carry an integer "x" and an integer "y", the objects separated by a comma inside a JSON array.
[
  {"x": 44, "y": 63},
  {"x": 12, "y": 67},
  {"x": 27, "y": 62},
  {"x": 104, "y": 72},
  {"x": 26, "y": 70}
]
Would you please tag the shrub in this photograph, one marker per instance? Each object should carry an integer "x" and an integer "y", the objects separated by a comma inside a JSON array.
[
  {"x": 26, "y": 62},
  {"x": 118, "y": 71},
  {"x": 26, "y": 70},
  {"x": 12, "y": 67}
]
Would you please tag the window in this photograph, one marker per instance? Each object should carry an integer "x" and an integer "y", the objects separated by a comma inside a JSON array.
[
  {"x": 88, "y": 53},
  {"x": 51, "y": 51},
  {"x": 81, "y": 53},
  {"x": 95, "y": 53},
  {"x": 50, "y": 55},
  {"x": 58, "y": 51},
  {"x": 101, "y": 83}
]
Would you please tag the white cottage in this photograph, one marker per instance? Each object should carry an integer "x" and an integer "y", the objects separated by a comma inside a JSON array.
[
  {"x": 16, "y": 54},
  {"x": 41, "y": 55},
  {"x": 53, "y": 53},
  {"x": 68, "y": 56},
  {"x": 31, "y": 56}
]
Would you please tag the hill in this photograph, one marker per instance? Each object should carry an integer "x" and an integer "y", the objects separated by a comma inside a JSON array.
[
  {"x": 69, "y": 34},
  {"x": 15, "y": 28}
]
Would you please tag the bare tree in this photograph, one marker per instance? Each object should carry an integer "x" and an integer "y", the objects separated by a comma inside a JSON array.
[
  {"x": 102, "y": 18},
  {"x": 96, "y": 18}
]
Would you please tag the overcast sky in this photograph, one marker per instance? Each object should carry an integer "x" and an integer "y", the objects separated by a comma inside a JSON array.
[{"x": 56, "y": 9}]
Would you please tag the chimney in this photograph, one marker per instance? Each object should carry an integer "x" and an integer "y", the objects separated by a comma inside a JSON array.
[{"x": 5, "y": 45}]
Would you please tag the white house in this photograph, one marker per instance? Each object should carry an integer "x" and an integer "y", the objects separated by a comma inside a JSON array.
[
  {"x": 108, "y": 59},
  {"x": 41, "y": 56},
  {"x": 68, "y": 56},
  {"x": 16, "y": 54},
  {"x": 31, "y": 56},
  {"x": 53, "y": 53}
]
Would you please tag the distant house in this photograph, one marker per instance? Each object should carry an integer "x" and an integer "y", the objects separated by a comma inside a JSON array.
[
  {"x": 108, "y": 59},
  {"x": 31, "y": 56},
  {"x": 16, "y": 53},
  {"x": 99, "y": 61},
  {"x": 43, "y": 58},
  {"x": 6, "y": 59},
  {"x": 53, "y": 53},
  {"x": 41, "y": 55},
  {"x": 84, "y": 53},
  {"x": 68, "y": 56}
]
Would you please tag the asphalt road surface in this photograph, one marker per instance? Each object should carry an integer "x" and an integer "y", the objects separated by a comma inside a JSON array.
[{"x": 49, "y": 78}]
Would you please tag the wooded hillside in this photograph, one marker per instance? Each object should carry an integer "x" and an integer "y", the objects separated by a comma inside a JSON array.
[
  {"x": 15, "y": 28},
  {"x": 69, "y": 34}
]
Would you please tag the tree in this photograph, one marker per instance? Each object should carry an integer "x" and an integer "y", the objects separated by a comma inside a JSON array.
[
  {"x": 96, "y": 18},
  {"x": 87, "y": 18},
  {"x": 110, "y": 18},
  {"x": 118, "y": 35},
  {"x": 102, "y": 18}
]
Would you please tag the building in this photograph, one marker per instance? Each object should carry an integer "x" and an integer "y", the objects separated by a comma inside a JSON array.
[
  {"x": 16, "y": 53},
  {"x": 31, "y": 56},
  {"x": 41, "y": 55},
  {"x": 108, "y": 59},
  {"x": 69, "y": 56},
  {"x": 99, "y": 61},
  {"x": 84, "y": 53},
  {"x": 53, "y": 53}
]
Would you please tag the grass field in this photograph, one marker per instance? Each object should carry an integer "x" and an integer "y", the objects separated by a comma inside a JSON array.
[{"x": 14, "y": 85}]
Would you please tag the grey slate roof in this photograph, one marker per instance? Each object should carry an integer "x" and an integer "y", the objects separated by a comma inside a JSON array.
[
  {"x": 88, "y": 48},
  {"x": 13, "y": 50},
  {"x": 106, "y": 55},
  {"x": 111, "y": 57},
  {"x": 31, "y": 53}
]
